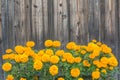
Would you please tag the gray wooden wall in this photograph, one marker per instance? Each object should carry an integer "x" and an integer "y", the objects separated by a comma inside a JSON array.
[{"x": 64, "y": 20}]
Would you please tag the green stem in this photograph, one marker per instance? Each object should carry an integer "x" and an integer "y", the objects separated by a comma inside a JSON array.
[
  {"x": 45, "y": 74},
  {"x": 53, "y": 78}
]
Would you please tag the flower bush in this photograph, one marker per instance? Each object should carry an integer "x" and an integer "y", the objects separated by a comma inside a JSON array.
[{"x": 94, "y": 61}]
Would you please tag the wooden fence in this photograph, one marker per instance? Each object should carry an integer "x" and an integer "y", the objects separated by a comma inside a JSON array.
[{"x": 64, "y": 20}]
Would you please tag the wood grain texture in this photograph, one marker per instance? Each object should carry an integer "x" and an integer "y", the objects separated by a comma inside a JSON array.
[
  {"x": 50, "y": 19},
  {"x": 102, "y": 20},
  {"x": 45, "y": 19},
  {"x": 61, "y": 21},
  {"x": 118, "y": 16},
  {"x": 85, "y": 36},
  {"x": 28, "y": 20},
  {"x": 1, "y": 45},
  {"x": 110, "y": 28},
  {"x": 64, "y": 20},
  {"x": 74, "y": 20},
  {"x": 37, "y": 22},
  {"x": 96, "y": 19}
]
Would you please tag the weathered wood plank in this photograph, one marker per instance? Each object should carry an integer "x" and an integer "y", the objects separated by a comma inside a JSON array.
[
  {"x": 65, "y": 17},
  {"x": 1, "y": 45},
  {"x": 4, "y": 33},
  {"x": 61, "y": 21},
  {"x": 118, "y": 16},
  {"x": 57, "y": 17},
  {"x": 80, "y": 21},
  {"x": 102, "y": 20},
  {"x": 50, "y": 19},
  {"x": 64, "y": 20},
  {"x": 0, "y": 23},
  {"x": 82, "y": 24},
  {"x": 119, "y": 27},
  {"x": 93, "y": 17},
  {"x": 4, "y": 24},
  {"x": 37, "y": 22},
  {"x": 117, "y": 13},
  {"x": 19, "y": 22},
  {"x": 11, "y": 39},
  {"x": 28, "y": 20},
  {"x": 96, "y": 31},
  {"x": 85, "y": 37},
  {"x": 110, "y": 28},
  {"x": 73, "y": 21},
  {"x": 45, "y": 19}
]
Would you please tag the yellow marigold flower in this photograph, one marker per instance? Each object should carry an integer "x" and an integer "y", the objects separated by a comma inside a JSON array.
[
  {"x": 34, "y": 56},
  {"x": 30, "y": 44},
  {"x": 6, "y": 56},
  {"x": 45, "y": 58},
  {"x": 106, "y": 49},
  {"x": 80, "y": 79},
  {"x": 77, "y": 47},
  {"x": 71, "y": 45},
  {"x": 7, "y": 66},
  {"x": 83, "y": 52},
  {"x": 41, "y": 52},
  {"x": 54, "y": 59},
  {"x": 49, "y": 52},
  {"x": 56, "y": 44},
  {"x": 99, "y": 65},
  {"x": 53, "y": 70},
  {"x": 59, "y": 52},
  {"x": 24, "y": 58},
  {"x": 32, "y": 53},
  {"x": 22, "y": 78},
  {"x": 95, "y": 74},
  {"x": 104, "y": 71},
  {"x": 9, "y": 50},
  {"x": 36, "y": 77},
  {"x": 103, "y": 65},
  {"x": 111, "y": 68},
  {"x": 86, "y": 63},
  {"x": 104, "y": 60},
  {"x": 66, "y": 55},
  {"x": 95, "y": 62},
  {"x": 96, "y": 52},
  {"x": 10, "y": 77},
  {"x": 60, "y": 78},
  {"x": 91, "y": 46},
  {"x": 37, "y": 65},
  {"x": 18, "y": 58},
  {"x": 27, "y": 51},
  {"x": 63, "y": 60},
  {"x": 92, "y": 56},
  {"x": 113, "y": 61},
  {"x": 70, "y": 59},
  {"x": 48, "y": 43},
  {"x": 97, "y": 69},
  {"x": 84, "y": 47},
  {"x": 99, "y": 43},
  {"x": 94, "y": 41},
  {"x": 77, "y": 59},
  {"x": 19, "y": 49},
  {"x": 75, "y": 72},
  {"x": 9, "y": 56},
  {"x": 37, "y": 57}
]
